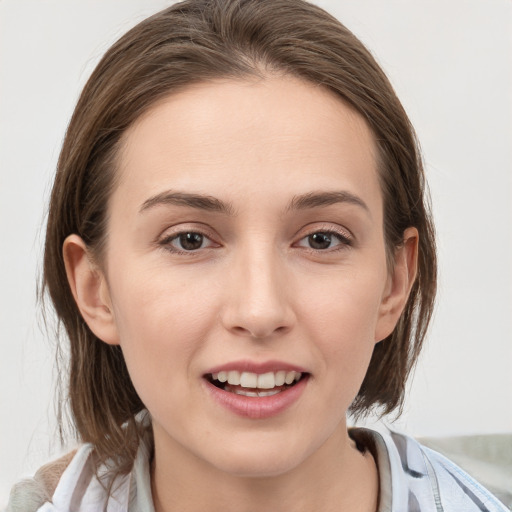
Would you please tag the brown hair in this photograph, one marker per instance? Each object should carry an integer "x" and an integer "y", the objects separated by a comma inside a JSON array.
[{"x": 195, "y": 41}]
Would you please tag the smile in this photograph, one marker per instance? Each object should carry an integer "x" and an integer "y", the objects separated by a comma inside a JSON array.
[
  {"x": 253, "y": 384},
  {"x": 256, "y": 395}
]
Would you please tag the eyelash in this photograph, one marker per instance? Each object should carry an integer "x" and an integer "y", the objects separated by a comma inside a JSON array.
[
  {"x": 343, "y": 239},
  {"x": 166, "y": 242}
]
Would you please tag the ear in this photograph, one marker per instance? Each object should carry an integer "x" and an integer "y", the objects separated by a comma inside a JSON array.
[
  {"x": 400, "y": 280},
  {"x": 90, "y": 289}
]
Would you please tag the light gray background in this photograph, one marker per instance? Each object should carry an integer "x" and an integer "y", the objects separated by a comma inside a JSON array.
[{"x": 450, "y": 62}]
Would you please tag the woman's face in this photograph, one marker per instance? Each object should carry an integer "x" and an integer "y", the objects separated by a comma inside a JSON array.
[{"x": 245, "y": 241}]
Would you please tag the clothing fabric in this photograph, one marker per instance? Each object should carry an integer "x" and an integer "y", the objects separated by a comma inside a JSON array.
[{"x": 413, "y": 478}]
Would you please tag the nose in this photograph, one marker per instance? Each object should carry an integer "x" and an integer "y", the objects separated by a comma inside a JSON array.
[{"x": 257, "y": 296}]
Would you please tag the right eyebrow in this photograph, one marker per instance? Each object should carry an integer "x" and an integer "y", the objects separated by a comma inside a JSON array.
[
  {"x": 198, "y": 201},
  {"x": 319, "y": 199}
]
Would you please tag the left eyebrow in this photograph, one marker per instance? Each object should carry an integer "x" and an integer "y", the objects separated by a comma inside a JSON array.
[
  {"x": 198, "y": 201},
  {"x": 318, "y": 199}
]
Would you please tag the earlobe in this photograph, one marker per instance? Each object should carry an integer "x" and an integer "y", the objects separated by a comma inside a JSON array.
[
  {"x": 399, "y": 285},
  {"x": 90, "y": 290}
]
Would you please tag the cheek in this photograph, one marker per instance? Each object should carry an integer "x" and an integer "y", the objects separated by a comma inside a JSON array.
[
  {"x": 155, "y": 301},
  {"x": 161, "y": 324},
  {"x": 345, "y": 303},
  {"x": 342, "y": 318}
]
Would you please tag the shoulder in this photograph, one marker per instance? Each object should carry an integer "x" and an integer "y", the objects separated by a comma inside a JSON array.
[
  {"x": 424, "y": 474},
  {"x": 75, "y": 483},
  {"x": 80, "y": 482},
  {"x": 31, "y": 493}
]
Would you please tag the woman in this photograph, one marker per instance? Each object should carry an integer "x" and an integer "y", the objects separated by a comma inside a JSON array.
[{"x": 239, "y": 248}]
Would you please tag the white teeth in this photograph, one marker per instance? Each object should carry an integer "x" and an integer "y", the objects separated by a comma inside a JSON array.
[
  {"x": 290, "y": 377},
  {"x": 267, "y": 380},
  {"x": 248, "y": 380},
  {"x": 269, "y": 393},
  {"x": 245, "y": 393},
  {"x": 234, "y": 378},
  {"x": 280, "y": 377}
]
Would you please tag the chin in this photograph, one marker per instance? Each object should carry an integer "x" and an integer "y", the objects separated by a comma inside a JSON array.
[
  {"x": 259, "y": 459},
  {"x": 257, "y": 467}
]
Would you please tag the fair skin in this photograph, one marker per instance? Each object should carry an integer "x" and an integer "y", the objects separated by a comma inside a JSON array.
[{"x": 284, "y": 268}]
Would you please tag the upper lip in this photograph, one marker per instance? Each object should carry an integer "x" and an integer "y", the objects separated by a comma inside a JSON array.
[{"x": 255, "y": 367}]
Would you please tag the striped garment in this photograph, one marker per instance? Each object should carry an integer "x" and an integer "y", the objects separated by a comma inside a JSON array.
[{"x": 413, "y": 478}]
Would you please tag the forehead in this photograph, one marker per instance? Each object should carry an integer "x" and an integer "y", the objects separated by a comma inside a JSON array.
[{"x": 272, "y": 134}]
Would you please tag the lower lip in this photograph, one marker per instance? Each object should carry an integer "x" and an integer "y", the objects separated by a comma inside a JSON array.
[{"x": 259, "y": 407}]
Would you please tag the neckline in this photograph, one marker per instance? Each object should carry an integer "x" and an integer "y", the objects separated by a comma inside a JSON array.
[{"x": 368, "y": 440}]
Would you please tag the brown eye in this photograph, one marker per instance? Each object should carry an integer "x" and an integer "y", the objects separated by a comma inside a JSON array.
[
  {"x": 186, "y": 241},
  {"x": 325, "y": 241},
  {"x": 320, "y": 240},
  {"x": 189, "y": 241}
]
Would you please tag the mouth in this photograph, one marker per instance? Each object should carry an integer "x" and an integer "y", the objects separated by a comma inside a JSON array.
[{"x": 255, "y": 385}]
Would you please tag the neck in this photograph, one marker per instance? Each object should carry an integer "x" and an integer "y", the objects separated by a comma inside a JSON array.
[{"x": 336, "y": 477}]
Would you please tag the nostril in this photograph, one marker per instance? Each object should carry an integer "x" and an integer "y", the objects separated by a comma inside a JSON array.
[{"x": 260, "y": 332}]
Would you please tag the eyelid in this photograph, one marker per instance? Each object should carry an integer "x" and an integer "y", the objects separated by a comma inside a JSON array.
[
  {"x": 186, "y": 227},
  {"x": 171, "y": 233},
  {"x": 325, "y": 227},
  {"x": 344, "y": 236}
]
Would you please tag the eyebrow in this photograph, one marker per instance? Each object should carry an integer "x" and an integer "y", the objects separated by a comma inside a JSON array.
[
  {"x": 198, "y": 201},
  {"x": 212, "y": 204},
  {"x": 319, "y": 199}
]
